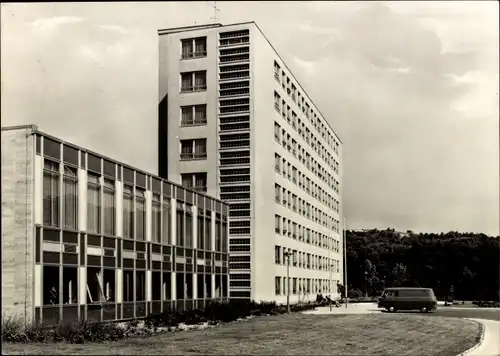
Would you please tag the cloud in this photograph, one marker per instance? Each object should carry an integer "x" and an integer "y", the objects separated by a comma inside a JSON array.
[
  {"x": 114, "y": 28},
  {"x": 51, "y": 23},
  {"x": 308, "y": 66},
  {"x": 411, "y": 89}
]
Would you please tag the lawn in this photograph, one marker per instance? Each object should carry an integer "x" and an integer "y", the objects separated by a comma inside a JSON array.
[{"x": 296, "y": 334}]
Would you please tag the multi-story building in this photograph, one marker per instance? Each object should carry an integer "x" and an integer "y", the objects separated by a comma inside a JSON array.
[
  {"x": 235, "y": 122},
  {"x": 86, "y": 237}
]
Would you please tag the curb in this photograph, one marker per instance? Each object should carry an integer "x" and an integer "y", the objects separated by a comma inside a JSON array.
[{"x": 481, "y": 339}]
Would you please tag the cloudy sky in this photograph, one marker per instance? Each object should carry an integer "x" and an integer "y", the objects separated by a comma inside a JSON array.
[{"x": 411, "y": 88}]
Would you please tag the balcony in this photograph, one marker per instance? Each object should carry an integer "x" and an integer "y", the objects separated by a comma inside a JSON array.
[
  {"x": 186, "y": 156},
  {"x": 193, "y": 88},
  {"x": 193, "y": 55}
]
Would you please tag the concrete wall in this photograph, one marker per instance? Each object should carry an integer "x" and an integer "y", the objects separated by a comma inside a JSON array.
[
  {"x": 17, "y": 223},
  {"x": 264, "y": 177},
  {"x": 170, "y": 67},
  {"x": 262, "y": 167}
]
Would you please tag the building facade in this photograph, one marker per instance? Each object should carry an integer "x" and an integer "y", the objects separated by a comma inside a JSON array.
[
  {"x": 235, "y": 122},
  {"x": 85, "y": 237}
]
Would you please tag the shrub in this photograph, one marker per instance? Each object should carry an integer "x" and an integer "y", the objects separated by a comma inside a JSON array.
[{"x": 11, "y": 327}]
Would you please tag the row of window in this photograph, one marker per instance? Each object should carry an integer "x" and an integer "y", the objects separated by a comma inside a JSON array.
[
  {"x": 305, "y": 183},
  {"x": 282, "y": 138},
  {"x": 303, "y": 286},
  {"x": 102, "y": 285},
  {"x": 304, "y": 260},
  {"x": 295, "y": 231},
  {"x": 196, "y": 181},
  {"x": 101, "y": 210},
  {"x": 194, "y": 149},
  {"x": 306, "y": 109},
  {"x": 303, "y": 208},
  {"x": 194, "y": 115},
  {"x": 304, "y": 132},
  {"x": 194, "y": 81}
]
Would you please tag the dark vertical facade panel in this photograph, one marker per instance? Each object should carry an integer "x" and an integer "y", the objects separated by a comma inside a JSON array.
[
  {"x": 167, "y": 189},
  {"x": 51, "y": 235},
  {"x": 163, "y": 137},
  {"x": 109, "y": 169},
  {"x": 119, "y": 253},
  {"x": 94, "y": 163},
  {"x": 82, "y": 160},
  {"x": 70, "y": 155},
  {"x": 128, "y": 175},
  {"x": 119, "y": 173},
  {"x": 38, "y": 143},
  {"x": 156, "y": 185},
  {"x": 82, "y": 250},
  {"x": 38, "y": 244},
  {"x": 51, "y": 148},
  {"x": 140, "y": 179},
  {"x": 180, "y": 194},
  {"x": 189, "y": 197}
]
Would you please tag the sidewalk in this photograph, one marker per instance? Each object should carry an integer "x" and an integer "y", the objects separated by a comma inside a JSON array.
[{"x": 490, "y": 344}]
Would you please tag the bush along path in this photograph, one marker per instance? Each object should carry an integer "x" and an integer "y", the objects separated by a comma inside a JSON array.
[{"x": 80, "y": 332}]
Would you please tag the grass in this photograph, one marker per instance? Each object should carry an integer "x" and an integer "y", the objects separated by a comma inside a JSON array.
[{"x": 299, "y": 334}]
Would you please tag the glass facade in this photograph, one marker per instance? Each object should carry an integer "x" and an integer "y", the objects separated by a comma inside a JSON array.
[{"x": 116, "y": 243}]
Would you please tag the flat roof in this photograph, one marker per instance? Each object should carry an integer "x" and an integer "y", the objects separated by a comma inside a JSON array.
[
  {"x": 217, "y": 25},
  {"x": 36, "y": 131}
]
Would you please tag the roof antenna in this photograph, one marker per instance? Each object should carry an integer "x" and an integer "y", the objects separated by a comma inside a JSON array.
[{"x": 214, "y": 6}]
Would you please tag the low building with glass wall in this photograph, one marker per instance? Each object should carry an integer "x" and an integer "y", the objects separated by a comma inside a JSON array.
[{"x": 85, "y": 237}]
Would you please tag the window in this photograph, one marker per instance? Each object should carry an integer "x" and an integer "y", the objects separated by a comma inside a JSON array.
[
  {"x": 194, "y": 149},
  {"x": 201, "y": 229},
  {"x": 93, "y": 203},
  {"x": 180, "y": 224},
  {"x": 140, "y": 214},
  {"x": 109, "y": 207},
  {"x": 193, "y": 81},
  {"x": 70, "y": 191},
  {"x": 156, "y": 218},
  {"x": 208, "y": 230},
  {"x": 218, "y": 233},
  {"x": 277, "y": 283},
  {"x": 51, "y": 202},
  {"x": 166, "y": 221},
  {"x": 128, "y": 212},
  {"x": 194, "y": 115},
  {"x": 277, "y": 104},
  {"x": 277, "y": 71},
  {"x": 277, "y": 132},
  {"x": 194, "y": 48},
  {"x": 277, "y": 163},
  {"x": 195, "y": 181},
  {"x": 189, "y": 226},
  {"x": 277, "y": 224},
  {"x": 277, "y": 255},
  {"x": 277, "y": 193}
]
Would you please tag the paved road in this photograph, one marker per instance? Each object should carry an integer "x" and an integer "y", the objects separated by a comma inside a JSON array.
[{"x": 489, "y": 314}]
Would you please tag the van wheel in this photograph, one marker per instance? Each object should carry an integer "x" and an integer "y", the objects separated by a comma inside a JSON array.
[
  {"x": 392, "y": 309},
  {"x": 424, "y": 310}
]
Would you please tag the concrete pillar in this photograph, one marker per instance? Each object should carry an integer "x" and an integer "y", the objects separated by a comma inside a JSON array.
[
  {"x": 173, "y": 286},
  {"x": 149, "y": 286},
  {"x": 173, "y": 221},
  {"x": 149, "y": 208},
  {"x": 119, "y": 285},
  {"x": 195, "y": 228},
  {"x": 119, "y": 208},
  {"x": 38, "y": 285},
  {"x": 82, "y": 200},
  {"x": 212, "y": 247},
  {"x": 82, "y": 285},
  {"x": 38, "y": 189}
]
